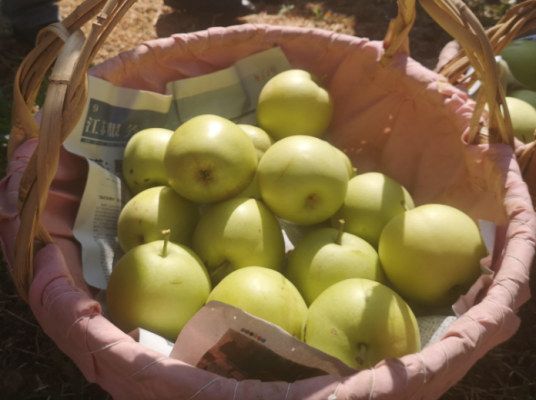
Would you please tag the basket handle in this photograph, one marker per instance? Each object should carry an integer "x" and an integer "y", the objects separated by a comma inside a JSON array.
[
  {"x": 456, "y": 18},
  {"x": 515, "y": 22},
  {"x": 396, "y": 39},
  {"x": 64, "y": 104}
]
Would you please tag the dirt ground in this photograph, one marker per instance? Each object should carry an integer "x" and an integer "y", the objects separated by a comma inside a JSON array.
[{"x": 32, "y": 367}]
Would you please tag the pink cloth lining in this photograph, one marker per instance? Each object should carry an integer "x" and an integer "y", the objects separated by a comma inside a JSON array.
[{"x": 403, "y": 120}]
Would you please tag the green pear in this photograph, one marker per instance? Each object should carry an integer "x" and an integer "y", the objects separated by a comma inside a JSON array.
[
  {"x": 528, "y": 96},
  {"x": 521, "y": 58},
  {"x": 252, "y": 191},
  {"x": 238, "y": 233},
  {"x": 361, "y": 322},
  {"x": 327, "y": 256},
  {"x": 261, "y": 140},
  {"x": 146, "y": 214},
  {"x": 209, "y": 159},
  {"x": 523, "y": 117},
  {"x": 143, "y": 161},
  {"x": 265, "y": 294},
  {"x": 432, "y": 254},
  {"x": 157, "y": 286},
  {"x": 372, "y": 200},
  {"x": 293, "y": 103},
  {"x": 303, "y": 179}
]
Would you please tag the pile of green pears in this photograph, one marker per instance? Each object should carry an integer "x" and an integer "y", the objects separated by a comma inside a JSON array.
[{"x": 204, "y": 224}]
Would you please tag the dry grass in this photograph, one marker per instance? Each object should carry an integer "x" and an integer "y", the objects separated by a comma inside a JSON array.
[
  {"x": 135, "y": 28},
  {"x": 31, "y": 366},
  {"x": 149, "y": 19}
]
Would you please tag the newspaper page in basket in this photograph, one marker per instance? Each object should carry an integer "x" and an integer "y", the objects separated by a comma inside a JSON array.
[{"x": 111, "y": 117}]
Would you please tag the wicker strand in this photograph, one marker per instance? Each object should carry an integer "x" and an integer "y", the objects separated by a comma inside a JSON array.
[
  {"x": 42, "y": 167},
  {"x": 396, "y": 40}
]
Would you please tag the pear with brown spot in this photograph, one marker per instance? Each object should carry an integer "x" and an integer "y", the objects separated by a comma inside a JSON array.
[
  {"x": 210, "y": 159},
  {"x": 303, "y": 179}
]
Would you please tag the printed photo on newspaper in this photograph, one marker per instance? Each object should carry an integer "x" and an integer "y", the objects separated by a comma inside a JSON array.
[{"x": 235, "y": 344}]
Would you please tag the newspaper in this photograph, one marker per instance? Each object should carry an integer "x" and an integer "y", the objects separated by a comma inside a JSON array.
[
  {"x": 112, "y": 115},
  {"x": 235, "y": 344},
  {"x": 95, "y": 226}
]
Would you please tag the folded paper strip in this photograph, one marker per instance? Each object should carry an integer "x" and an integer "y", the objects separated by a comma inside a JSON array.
[{"x": 402, "y": 120}]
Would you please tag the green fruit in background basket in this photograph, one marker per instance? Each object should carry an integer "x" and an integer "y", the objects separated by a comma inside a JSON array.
[
  {"x": 372, "y": 200},
  {"x": 361, "y": 322},
  {"x": 209, "y": 159},
  {"x": 523, "y": 117},
  {"x": 157, "y": 287},
  {"x": 293, "y": 103},
  {"x": 521, "y": 58},
  {"x": 238, "y": 233},
  {"x": 327, "y": 256},
  {"x": 302, "y": 179},
  {"x": 143, "y": 161},
  {"x": 261, "y": 140},
  {"x": 528, "y": 96},
  {"x": 148, "y": 213},
  {"x": 265, "y": 294},
  {"x": 431, "y": 254}
]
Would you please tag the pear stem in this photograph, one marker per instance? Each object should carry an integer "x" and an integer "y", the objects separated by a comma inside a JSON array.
[
  {"x": 166, "y": 233},
  {"x": 404, "y": 205},
  {"x": 341, "y": 231},
  {"x": 362, "y": 348}
]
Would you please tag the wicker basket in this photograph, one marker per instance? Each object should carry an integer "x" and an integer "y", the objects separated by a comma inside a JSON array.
[{"x": 45, "y": 258}]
